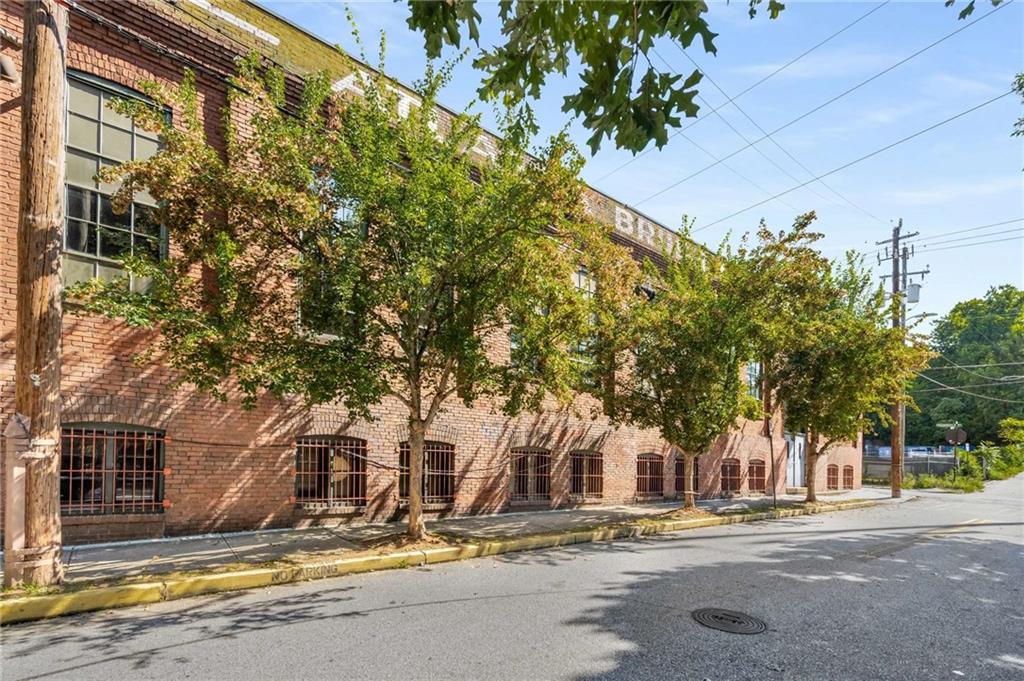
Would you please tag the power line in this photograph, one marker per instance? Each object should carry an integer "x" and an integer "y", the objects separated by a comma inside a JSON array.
[
  {"x": 963, "y": 368},
  {"x": 748, "y": 89},
  {"x": 969, "y": 229},
  {"x": 976, "y": 243},
  {"x": 773, "y": 141},
  {"x": 973, "y": 236},
  {"x": 973, "y": 394},
  {"x": 919, "y": 240},
  {"x": 733, "y": 170},
  {"x": 974, "y": 366},
  {"x": 732, "y": 127},
  {"x": 830, "y": 101},
  {"x": 862, "y": 158},
  {"x": 976, "y": 385},
  {"x": 966, "y": 392}
]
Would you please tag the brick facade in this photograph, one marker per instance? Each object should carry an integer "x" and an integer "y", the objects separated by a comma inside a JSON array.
[{"x": 231, "y": 469}]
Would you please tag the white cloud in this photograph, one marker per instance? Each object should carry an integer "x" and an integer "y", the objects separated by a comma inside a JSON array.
[
  {"x": 837, "y": 63},
  {"x": 955, "y": 191},
  {"x": 947, "y": 83}
]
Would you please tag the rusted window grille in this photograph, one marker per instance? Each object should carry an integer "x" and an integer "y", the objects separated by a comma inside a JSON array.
[
  {"x": 650, "y": 476},
  {"x": 438, "y": 472},
  {"x": 832, "y": 476},
  {"x": 680, "y": 467},
  {"x": 110, "y": 469},
  {"x": 730, "y": 475},
  {"x": 330, "y": 471},
  {"x": 586, "y": 474},
  {"x": 530, "y": 475},
  {"x": 756, "y": 475},
  {"x": 847, "y": 477}
]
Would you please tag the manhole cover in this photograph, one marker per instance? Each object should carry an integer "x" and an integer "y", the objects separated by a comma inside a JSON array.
[{"x": 729, "y": 620}]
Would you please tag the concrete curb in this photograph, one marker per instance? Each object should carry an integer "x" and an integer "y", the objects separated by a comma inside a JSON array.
[{"x": 28, "y": 608}]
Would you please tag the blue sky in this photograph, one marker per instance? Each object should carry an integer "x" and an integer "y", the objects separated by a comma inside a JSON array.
[{"x": 962, "y": 175}]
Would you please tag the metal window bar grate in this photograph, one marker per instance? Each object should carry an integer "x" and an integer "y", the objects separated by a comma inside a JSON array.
[
  {"x": 438, "y": 472},
  {"x": 111, "y": 471},
  {"x": 587, "y": 475},
  {"x": 731, "y": 475},
  {"x": 756, "y": 472},
  {"x": 650, "y": 478},
  {"x": 832, "y": 477},
  {"x": 330, "y": 472},
  {"x": 847, "y": 477},
  {"x": 530, "y": 478},
  {"x": 679, "y": 473}
]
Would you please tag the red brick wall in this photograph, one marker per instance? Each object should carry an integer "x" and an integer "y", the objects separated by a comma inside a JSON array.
[{"x": 233, "y": 469}]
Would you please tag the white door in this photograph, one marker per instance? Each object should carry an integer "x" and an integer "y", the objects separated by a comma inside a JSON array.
[{"x": 795, "y": 460}]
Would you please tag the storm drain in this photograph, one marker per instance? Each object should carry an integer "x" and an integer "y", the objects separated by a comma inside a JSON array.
[{"x": 729, "y": 620}]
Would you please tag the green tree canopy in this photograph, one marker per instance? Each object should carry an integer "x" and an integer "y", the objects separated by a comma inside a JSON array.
[
  {"x": 622, "y": 95},
  {"x": 986, "y": 331},
  {"x": 686, "y": 347},
  {"x": 848, "y": 363},
  {"x": 356, "y": 252}
]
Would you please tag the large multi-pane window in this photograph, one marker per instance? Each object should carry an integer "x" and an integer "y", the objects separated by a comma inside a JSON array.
[
  {"x": 832, "y": 477},
  {"x": 95, "y": 237},
  {"x": 731, "y": 475},
  {"x": 330, "y": 472},
  {"x": 530, "y": 478},
  {"x": 111, "y": 469},
  {"x": 754, "y": 379},
  {"x": 847, "y": 477},
  {"x": 584, "y": 350},
  {"x": 756, "y": 474},
  {"x": 679, "y": 475},
  {"x": 323, "y": 308},
  {"x": 438, "y": 472},
  {"x": 650, "y": 476},
  {"x": 586, "y": 479}
]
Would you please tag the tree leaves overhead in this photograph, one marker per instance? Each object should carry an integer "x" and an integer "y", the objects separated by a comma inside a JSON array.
[{"x": 622, "y": 95}]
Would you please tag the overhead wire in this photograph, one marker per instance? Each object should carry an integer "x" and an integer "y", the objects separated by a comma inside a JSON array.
[
  {"x": 774, "y": 141},
  {"x": 862, "y": 158},
  {"x": 777, "y": 71},
  {"x": 831, "y": 100},
  {"x": 967, "y": 392},
  {"x": 977, "y": 243}
]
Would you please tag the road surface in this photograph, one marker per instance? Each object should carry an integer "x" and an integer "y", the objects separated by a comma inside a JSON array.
[{"x": 930, "y": 589}]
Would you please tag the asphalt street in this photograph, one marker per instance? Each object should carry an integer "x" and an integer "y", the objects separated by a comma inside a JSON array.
[{"x": 929, "y": 589}]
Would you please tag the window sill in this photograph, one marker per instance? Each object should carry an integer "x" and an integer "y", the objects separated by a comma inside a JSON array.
[
  {"x": 320, "y": 510},
  {"x": 579, "y": 499},
  {"x": 428, "y": 508},
  {"x": 81, "y": 518},
  {"x": 530, "y": 503}
]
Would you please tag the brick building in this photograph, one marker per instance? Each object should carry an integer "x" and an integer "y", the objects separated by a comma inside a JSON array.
[{"x": 143, "y": 458}]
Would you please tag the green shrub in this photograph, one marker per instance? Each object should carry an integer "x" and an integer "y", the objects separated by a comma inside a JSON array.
[{"x": 947, "y": 481}]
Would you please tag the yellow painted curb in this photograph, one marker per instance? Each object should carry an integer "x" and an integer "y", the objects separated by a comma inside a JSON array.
[{"x": 29, "y": 608}]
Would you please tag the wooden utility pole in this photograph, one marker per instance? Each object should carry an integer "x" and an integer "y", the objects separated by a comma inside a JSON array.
[
  {"x": 900, "y": 256},
  {"x": 38, "y": 343},
  {"x": 896, "y": 412}
]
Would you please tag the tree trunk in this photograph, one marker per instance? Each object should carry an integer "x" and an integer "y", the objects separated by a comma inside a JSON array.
[
  {"x": 810, "y": 467},
  {"x": 417, "y": 443},
  {"x": 688, "y": 494},
  {"x": 41, "y": 221}
]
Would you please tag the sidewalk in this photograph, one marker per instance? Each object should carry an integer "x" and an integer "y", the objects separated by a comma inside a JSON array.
[{"x": 148, "y": 558}]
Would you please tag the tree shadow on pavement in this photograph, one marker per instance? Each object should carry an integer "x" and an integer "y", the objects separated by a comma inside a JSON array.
[
  {"x": 883, "y": 605},
  {"x": 892, "y": 603}
]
